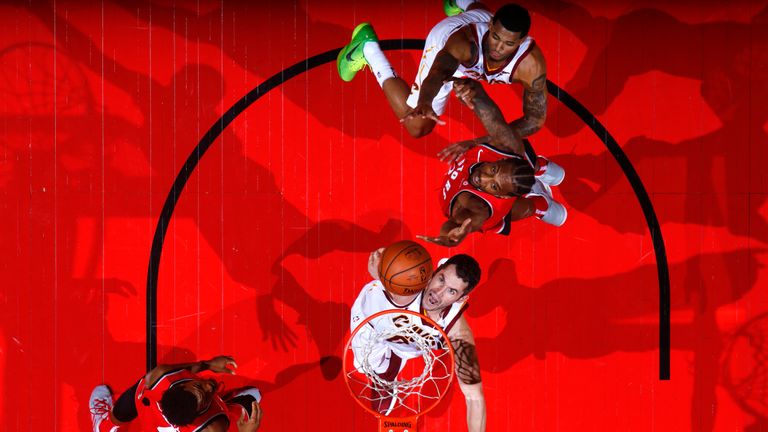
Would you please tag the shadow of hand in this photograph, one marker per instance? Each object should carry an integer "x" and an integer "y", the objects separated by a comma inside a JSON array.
[{"x": 272, "y": 325}]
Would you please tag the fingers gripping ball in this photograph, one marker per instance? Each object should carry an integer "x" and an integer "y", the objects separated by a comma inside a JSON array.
[{"x": 405, "y": 268}]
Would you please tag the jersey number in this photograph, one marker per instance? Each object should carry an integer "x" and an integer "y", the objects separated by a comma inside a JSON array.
[{"x": 457, "y": 168}]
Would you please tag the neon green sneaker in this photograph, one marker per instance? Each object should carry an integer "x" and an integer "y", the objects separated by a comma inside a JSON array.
[
  {"x": 450, "y": 8},
  {"x": 351, "y": 59}
]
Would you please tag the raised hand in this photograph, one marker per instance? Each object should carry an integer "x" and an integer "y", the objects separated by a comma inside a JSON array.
[
  {"x": 422, "y": 111},
  {"x": 453, "y": 237},
  {"x": 272, "y": 325},
  {"x": 220, "y": 364},
  {"x": 452, "y": 151},
  {"x": 465, "y": 90},
  {"x": 253, "y": 423},
  {"x": 373, "y": 262}
]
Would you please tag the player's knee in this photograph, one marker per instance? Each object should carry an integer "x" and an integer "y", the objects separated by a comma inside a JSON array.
[
  {"x": 419, "y": 129},
  {"x": 418, "y": 132}
]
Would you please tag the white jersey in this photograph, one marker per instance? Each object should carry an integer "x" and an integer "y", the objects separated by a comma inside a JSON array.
[
  {"x": 478, "y": 20},
  {"x": 479, "y": 69},
  {"x": 373, "y": 298}
]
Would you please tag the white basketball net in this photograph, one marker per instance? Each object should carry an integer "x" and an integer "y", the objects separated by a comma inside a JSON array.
[{"x": 406, "y": 391}]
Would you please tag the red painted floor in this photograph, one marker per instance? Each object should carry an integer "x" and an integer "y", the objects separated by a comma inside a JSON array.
[{"x": 267, "y": 248}]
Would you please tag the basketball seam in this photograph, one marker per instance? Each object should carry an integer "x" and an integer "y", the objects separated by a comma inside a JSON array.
[
  {"x": 394, "y": 258},
  {"x": 403, "y": 271}
]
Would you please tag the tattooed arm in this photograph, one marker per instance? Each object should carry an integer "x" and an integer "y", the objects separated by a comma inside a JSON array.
[
  {"x": 500, "y": 133},
  {"x": 532, "y": 74},
  {"x": 468, "y": 374}
]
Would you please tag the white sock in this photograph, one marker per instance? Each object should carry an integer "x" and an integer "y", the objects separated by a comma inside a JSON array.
[
  {"x": 465, "y": 4},
  {"x": 378, "y": 62}
]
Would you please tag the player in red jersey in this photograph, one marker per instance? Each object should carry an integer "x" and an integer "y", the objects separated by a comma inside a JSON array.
[
  {"x": 490, "y": 185},
  {"x": 176, "y": 398}
]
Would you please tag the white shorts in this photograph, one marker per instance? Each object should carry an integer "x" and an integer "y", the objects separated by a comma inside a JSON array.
[{"x": 435, "y": 42}]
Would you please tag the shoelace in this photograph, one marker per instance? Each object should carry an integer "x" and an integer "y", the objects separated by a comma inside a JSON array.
[{"x": 101, "y": 407}]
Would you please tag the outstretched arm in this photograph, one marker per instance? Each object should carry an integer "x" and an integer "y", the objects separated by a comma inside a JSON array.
[
  {"x": 467, "y": 217},
  {"x": 500, "y": 134},
  {"x": 468, "y": 374},
  {"x": 218, "y": 364},
  {"x": 532, "y": 74}
]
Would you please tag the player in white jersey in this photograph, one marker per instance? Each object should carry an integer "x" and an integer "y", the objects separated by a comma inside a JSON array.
[
  {"x": 444, "y": 300},
  {"x": 472, "y": 44}
]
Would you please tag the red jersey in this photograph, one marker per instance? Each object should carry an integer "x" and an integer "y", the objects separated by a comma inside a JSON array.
[
  {"x": 457, "y": 180},
  {"x": 148, "y": 405}
]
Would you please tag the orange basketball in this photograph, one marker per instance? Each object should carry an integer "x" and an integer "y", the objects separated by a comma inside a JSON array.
[{"x": 405, "y": 268}]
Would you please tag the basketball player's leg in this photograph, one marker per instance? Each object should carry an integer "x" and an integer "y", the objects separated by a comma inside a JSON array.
[
  {"x": 416, "y": 126},
  {"x": 108, "y": 415},
  {"x": 522, "y": 208},
  {"x": 378, "y": 360},
  {"x": 541, "y": 204},
  {"x": 547, "y": 171},
  {"x": 382, "y": 400},
  {"x": 363, "y": 49},
  {"x": 397, "y": 92}
]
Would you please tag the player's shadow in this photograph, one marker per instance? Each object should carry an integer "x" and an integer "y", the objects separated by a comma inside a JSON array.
[
  {"x": 589, "y": 318},
  {"x": 84, "y": 299},
  {"x": 743, "y": 369},
  {"x": 730, "y": 59},
  {"x": 53, "y": 154},
  {"x": 261, "y": 226},
  {"x": 302, "y": 36},
  {"x": 716, "y": 53},
  {"x": 683, "y": 179}
]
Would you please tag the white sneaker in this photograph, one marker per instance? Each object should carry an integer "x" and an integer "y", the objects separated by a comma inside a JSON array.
[
  {"x": 556, "y": 213},
  {"x": 100, "y": 404},
  {"x": 553, "y": 173}
]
